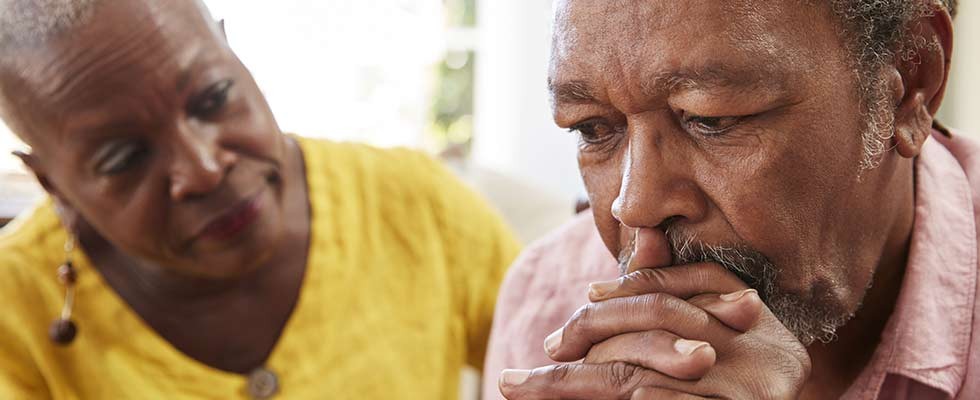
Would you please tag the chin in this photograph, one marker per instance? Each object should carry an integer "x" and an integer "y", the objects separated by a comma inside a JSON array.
[
  {"x": 242, "y": 255},
  {"x": 231, "y": 266},
  {"x": 813, "y": 309}
]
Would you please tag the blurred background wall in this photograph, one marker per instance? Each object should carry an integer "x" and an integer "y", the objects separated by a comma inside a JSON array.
[{"x": 961, "y": 108}]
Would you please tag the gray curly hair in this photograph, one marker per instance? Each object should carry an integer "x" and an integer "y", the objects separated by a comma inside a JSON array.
[
  {"x": 877, "y": 33},
  {"x": 24, "y": 22}
]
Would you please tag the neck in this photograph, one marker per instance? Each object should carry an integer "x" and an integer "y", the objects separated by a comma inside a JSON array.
[
  {"x": 156, "y": 282},
  {"x": 838, "y": 364}
]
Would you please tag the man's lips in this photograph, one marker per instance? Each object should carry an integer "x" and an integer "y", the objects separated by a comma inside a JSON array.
[{"x": 234, "y": 221}]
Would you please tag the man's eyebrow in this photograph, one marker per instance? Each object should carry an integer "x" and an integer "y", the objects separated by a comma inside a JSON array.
[
  {"x": 717, "y": 76},
  {"x": 575, "y": 92},
  {"x": 579, "y": 92}
]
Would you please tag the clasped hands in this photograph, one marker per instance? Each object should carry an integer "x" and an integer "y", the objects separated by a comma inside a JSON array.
[{"x": 668, "y": 332}]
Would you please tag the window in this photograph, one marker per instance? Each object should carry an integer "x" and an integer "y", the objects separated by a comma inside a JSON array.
[{"x": 385, "y": 72}]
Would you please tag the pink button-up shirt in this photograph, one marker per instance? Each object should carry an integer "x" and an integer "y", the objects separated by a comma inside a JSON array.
[{"x": 928, "y": 349}]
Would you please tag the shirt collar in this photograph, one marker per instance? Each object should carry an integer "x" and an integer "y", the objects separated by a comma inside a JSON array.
[{"x": 927, "y": 337}]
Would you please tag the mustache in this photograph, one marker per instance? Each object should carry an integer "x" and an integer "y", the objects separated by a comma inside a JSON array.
[{"x": 749, "y": 265}]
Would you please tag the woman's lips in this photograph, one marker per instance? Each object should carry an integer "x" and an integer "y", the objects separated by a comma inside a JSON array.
[{"x": 235, "y": 221}]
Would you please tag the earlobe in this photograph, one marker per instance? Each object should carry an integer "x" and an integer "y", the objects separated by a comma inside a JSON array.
[
  {"x": 68, "y": 215},
  {"x": 924, "y": 76},
  {"x": 913, "y": 125}
]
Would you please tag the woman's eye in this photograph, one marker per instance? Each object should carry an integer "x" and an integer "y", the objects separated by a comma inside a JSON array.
[
  {"x": 119, "y": 159},
  {"x": 211, "y": 100},
  {"x": 593, "y": 132},
  {"x": 709, "y": 126}
]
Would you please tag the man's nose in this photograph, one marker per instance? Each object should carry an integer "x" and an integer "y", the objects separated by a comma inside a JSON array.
[
  {"x": 200, "y": 164},
  {"x": 655, "y": 186}
]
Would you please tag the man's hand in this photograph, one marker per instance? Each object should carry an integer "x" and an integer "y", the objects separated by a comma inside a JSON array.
[{"x": 667, "y": 333}]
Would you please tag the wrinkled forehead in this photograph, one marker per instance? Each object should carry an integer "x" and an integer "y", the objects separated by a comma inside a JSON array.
[
  {"x": 125, "y": 46},
  {"x": 124, "y": 32},
  {"x": 599, "y": 35},
  {"x": 125, "y": 26}
]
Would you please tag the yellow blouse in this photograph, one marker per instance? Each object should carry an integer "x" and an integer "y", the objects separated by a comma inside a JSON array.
[{"x": 403, "y": 272}]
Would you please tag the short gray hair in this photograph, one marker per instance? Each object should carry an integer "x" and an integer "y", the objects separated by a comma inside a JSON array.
[
  {"x": 877, "y": 34},
  {"x": 28, "y": 22}
]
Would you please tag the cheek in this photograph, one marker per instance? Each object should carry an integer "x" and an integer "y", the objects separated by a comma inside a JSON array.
[
  {"x": 602, "y": 182},
  {"x": 787, "y": 203},
  {"x": 252, "y": 129},
  {"x": 137, "y": 223}
]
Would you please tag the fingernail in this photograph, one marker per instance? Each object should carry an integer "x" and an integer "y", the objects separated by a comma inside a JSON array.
[
  {"x": 688, "y": 347},
  {"x": 601, "y": 289},
  {"x": 514, "y": 377},
  {"x": 552, "y": 342},
  {"x": 736, "y": 296}
]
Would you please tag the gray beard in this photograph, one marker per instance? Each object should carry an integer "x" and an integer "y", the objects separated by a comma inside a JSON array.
[{"x": 812, "y": 316}]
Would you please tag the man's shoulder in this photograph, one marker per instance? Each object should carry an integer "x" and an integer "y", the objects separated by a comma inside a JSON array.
[
  {"x": 367, "y": 177},
  {"x": 571, "y": 253},
  {"x": 547, "y": 283},
  {"x": 354, "y": 157},
  {"x": 571, "y": 240}
]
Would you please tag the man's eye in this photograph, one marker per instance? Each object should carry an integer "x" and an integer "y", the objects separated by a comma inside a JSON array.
[
  {"x": 119, "y": 159},
  {"x": 593, "y": 133},
  {"x": 211, "y": 100},
  {"x": 709, "y": 126}
]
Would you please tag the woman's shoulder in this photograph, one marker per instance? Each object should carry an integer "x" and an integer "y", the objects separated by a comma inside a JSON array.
[
  {"x": 403, "y": 187},
  {"x": 353, "y": 157},
  {"x": 361, "y": 170},
  {"x": 27, "y": 245}
]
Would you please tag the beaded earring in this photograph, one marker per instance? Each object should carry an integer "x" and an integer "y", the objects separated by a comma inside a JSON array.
[{"x": 63, "y": 330}]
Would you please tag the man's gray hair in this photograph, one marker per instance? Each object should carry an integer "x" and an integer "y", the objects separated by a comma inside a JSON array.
[
  {"x": 27, "y": 22},
  {"x": 877, "y": 32}
]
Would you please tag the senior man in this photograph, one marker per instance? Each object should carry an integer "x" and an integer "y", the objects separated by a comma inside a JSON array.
[{"x": 788, "y": 218}]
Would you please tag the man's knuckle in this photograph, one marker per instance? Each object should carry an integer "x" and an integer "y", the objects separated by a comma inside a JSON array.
[
  {"x": 622, "y": 375},
  {"x": 560, "y": 373},
  {"x": 582, "y": 320},
  {"x": 703, "y": 300},
  {"x": 784, "y": 373}
]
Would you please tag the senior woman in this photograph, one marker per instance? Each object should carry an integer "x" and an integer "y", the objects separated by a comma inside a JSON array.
[{"x": 191, "y": 250}]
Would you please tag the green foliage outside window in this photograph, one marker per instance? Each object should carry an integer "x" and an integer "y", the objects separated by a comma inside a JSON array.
[
  {"x": 451, "y": 120},
  {"x": 461, "y": 13}
]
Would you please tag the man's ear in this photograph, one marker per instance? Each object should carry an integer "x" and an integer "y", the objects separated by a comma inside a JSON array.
[
  {"x": 924, "y": 71},
  {"x": 69, "y": 216}
]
